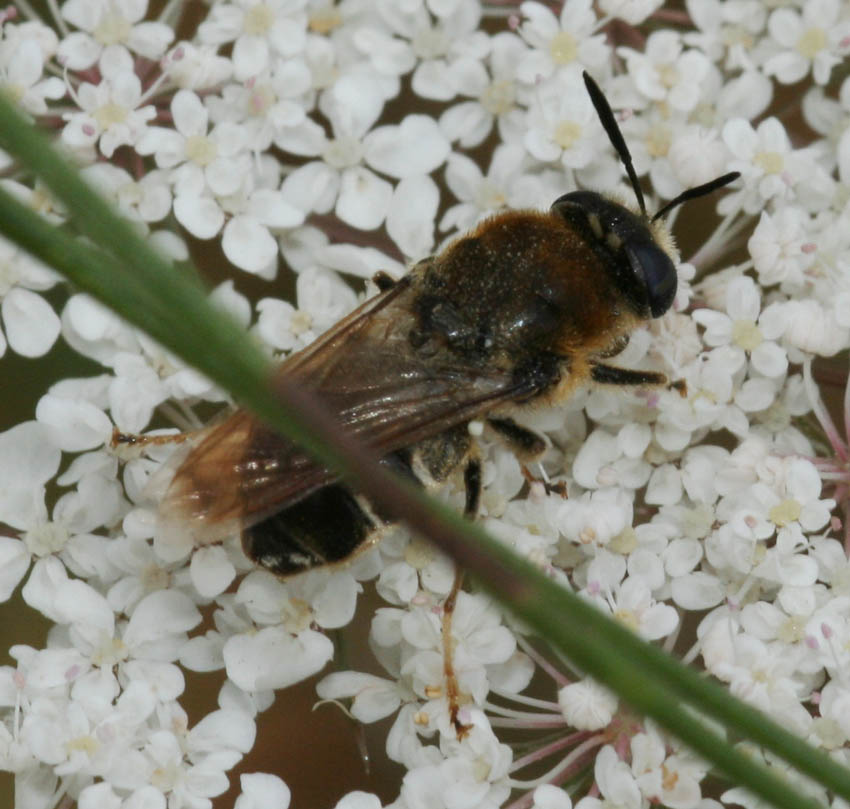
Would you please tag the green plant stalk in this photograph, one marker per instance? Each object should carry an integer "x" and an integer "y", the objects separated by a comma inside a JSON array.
[{"x": 144, "y": 289}]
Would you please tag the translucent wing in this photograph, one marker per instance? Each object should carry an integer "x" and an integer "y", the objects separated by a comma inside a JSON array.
[{"x": 383, "y": 389}]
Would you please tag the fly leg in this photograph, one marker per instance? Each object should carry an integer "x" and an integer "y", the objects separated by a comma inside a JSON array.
[
  {"x": 611, "y": 375},
  {"x": 527, "y": 446},
  {"x": 472, "y": 484},
  {"x": 560, "y": 487},
  {"x": 131, "y": 445}
]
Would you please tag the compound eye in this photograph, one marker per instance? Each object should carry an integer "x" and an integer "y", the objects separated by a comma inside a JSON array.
[{"x": 651, "y": 264}]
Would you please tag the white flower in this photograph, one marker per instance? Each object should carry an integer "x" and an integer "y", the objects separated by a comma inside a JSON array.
[
  {"x": 262, "y": 791},
  {"x": 596, "y": 517},
  {"x": 472, "y": 773},
  {"x": 111, "y": 114},
  {"x": 818, "y": 40},
  {"x": 105, "y": 23},
  {"x": 548, "y": 796},
  {"x": 265, "y": 104},
  {"x": 147, "y": 199},
  {"x": 760, "y": 673},
  {"x": 605, "y": 460},
  {"x": 410, "y": 564},
  {"x": 247, "y": 238},
  {"x": 744, "y": 330},
  {"x": 780, "y": 250},
  {"x": 359, "y": 800},
  {"x": 631, "y": 602},
  {"x": 697, "y": 155},
  {"x": 360, "y": 197},
  {"x": 440, "y": 45},
  {"x": 195, "y": 68},
  {"x": 28, "y": 459},
  {"x": 275, "y": 656},
  {"x": 634, "y": 12},
  {"x": 726, "y": 28},
  {"x": 770, "y": 169},
  {"x": 587, "y": 705},
  {"x": 205, "y": 164},
  {"x": 479, "y": 641},
  {"x": 663, "y": 72},
  {"x": 410, "y": 220},
  {"x": 481, "y": 195},
  {"x": 191, "y": 767},
  {"x": 615, "y": 783},
  {"x": 373, "y": 698},
  {"x": 562, "y": 124},
  {"x": 259, "y": 32},
  {"x": 809, "y": 326},
  {"x": 31, "y": 325},
  {"x": 671, "y": 778},
  {"x": 322, "y": 298},
  {"x": 22, "y": 68},
  {"x": 496, "y": 95},
  {"x": 558, "y": 42}
]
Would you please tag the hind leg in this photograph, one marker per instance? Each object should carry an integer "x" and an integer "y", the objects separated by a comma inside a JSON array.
[{"x": 472, "y": 483}]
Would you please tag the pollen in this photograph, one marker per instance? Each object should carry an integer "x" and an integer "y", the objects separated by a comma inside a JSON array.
[
  {"x": 770, "y": 162},
  {"x": 343, "y": 152},
  {"x": 296, "y": 615},
  {"x": 430, "y": 43},
  {"x": 628, "y": 619},
  {"x": 658, "y": 140},
  {"x": 791, "y": 630},
  {"x": 83, "y": 744},
  {"x": 489, "y": 197},
  {"x": 46, "y": 538},
  {"x": 113, "y": 29},
  {"x": 300, "y": 322},
  {"x": 323, "y": 20},
  {"x": 785, "y": 512},
  {"x": 668, "y": 75},
  {"x": 563, "y": 48},
  {"x": 110, "y": 114},
  {"x": 567, "y": 133},
  {"x": 201, "y": 150},
  {"x": 746, "y": 335},
  {"x": 669, "y": 778},
  {"x": 625, "y": 542},
  {"x": 498, "y": 97},
  {"x": 14, "y": 92},
  {"x": 110, "y": 653},
  {"x": 259, "y": 19},
  {"x": 811, "y": 43},
  {"x": 737, "y": 35}
]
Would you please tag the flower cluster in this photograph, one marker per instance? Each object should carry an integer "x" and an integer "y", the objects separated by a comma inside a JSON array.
[{"x": 328, "y": 141}]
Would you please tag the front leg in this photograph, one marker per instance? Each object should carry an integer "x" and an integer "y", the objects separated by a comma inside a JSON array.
[
  {"x": 524, "y": 443},
  {"x": 611, "y": 375}
]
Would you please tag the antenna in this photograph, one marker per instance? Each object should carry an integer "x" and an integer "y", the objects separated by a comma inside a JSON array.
[
  {"x": 699, "y": 191},
  {"x": 609, "y": 124}
]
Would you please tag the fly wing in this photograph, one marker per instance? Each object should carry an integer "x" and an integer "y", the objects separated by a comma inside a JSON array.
[{"x": 383, "y": 390}]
